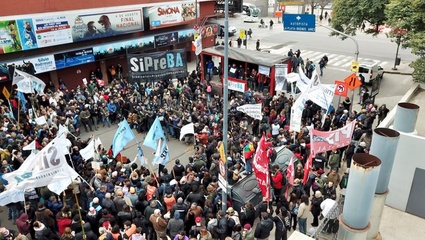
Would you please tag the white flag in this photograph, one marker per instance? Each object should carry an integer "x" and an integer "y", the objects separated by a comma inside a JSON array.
[
  {"x": 28, "y": 83},
  {"x": 13, "y": 178},
  {"x": 30, "y": 146},
  {"x": 198, "y": 44},
  {"x": 88, "y": 151},
  {"x": 297, "y": 110},
  {"x": 252, "y": 110},
  {"x": 321, "y": 94},
  {"x": 11, "y": 196},
  {"x": 60, "y": 181},
  {"x": 303, "y": 81},
  {"x": 62, "y": 130},
  {"x": 187, "y": 129},
  {"x": 97, "y": 143},
  {"x": 40, "y": 120}
]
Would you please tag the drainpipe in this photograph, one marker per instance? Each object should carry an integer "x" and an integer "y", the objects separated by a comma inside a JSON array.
[
  {"x": 384, "y": 146},
  {"x": 354, "y": 221},
  {"x": 405, "y": 117}
]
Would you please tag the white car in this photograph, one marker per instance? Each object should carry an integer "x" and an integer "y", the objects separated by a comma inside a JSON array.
[{"x": 232, "y": 30}]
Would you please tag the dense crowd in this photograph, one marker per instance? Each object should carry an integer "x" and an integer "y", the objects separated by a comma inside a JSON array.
[{"x": 126, "y": 201}]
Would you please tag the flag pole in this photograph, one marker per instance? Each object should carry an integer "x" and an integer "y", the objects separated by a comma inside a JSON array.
[{"x": 19, "y": 104}]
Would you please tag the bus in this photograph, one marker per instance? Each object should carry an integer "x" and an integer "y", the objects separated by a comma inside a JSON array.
[{"x": 250, "y": 12}]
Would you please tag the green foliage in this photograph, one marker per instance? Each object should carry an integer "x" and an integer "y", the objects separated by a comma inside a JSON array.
[
  {"x": 348, "y": 15},
  {"x": 418, "y": 70}
]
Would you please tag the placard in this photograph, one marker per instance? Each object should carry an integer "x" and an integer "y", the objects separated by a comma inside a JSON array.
[{"x": 236, "y": 86}]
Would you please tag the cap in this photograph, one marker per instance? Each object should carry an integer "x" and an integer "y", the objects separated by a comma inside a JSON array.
[
  {"x": 230, "y": 210},
  {"x": 92, "y": 210},
  {"x": 247, "y": 226},
  {"x": 198, "y": 219}
]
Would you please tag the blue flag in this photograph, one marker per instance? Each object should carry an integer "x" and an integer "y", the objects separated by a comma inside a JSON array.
[
  {"x": 163, "y": 155},
  {"x": 155, "y": 133},
  {"x": 123, "y": 136},
  {"x": 23, "y": 100}
]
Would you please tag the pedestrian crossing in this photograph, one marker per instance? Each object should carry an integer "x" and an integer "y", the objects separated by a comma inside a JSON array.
[{"x": 338, "y": 61}]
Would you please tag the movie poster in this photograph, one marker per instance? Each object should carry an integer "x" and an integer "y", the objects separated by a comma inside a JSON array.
[
  {"x": 9, "y": 37},
  {"x": 27, "y": 33},
  {"x": 97, "y": 25}
]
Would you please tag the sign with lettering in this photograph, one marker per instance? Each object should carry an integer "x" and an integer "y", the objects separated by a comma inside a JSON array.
[
  {"x": 170, "y": 15},
  {"x": 327, "y": 141},
  {"x": 74, "y": 58},
  {"x": 166, "y": 39},
  {"x": 52, "y": 30},
  {"x": 105, "y": 24},
  {"x": 157, "y": 65},
  {"x": 45, "y": 63},
  {"x": 236, "y": 86}
]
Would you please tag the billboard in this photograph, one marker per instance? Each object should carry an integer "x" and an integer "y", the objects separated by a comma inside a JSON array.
[
  {"x": 52, "y": 30},
  {"x": 27, "y": 33},
  {"x": 123, "y": 47},
  {"x": 74, "y": 58},
  {"x": 166, "y": 39},
  {"x": 157, "y": 65},
  {"x": 170, "y": 15},
  {"x": 41, "y": 64},
  {"x": 97, "y": 25},
  {"x": 9, "y": 37}
]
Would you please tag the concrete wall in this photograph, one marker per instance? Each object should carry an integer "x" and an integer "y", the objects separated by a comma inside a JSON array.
[{"x": 409, "y": 156}]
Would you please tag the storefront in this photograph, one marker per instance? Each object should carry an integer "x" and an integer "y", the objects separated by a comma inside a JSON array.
[
  {"x": 244, "y": 60},
  {"x": 68, "y": 45}
]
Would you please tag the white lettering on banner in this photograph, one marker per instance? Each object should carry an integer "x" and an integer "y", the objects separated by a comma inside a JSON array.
[
  {"x": 236, "y": 86},
  {"x": 147, "y": 63}
]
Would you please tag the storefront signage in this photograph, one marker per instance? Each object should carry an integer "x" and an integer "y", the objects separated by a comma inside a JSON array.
[
  {"x": 97, "y": 25},
  {"x": 157, "y": 66},
  {"x": 74, "y": 58},
  {"x": 170, "y": 15},
  {"x": 166, "y": 39}
]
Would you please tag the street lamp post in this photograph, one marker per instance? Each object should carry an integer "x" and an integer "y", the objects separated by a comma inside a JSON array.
[{"x": 398, "y": 41}]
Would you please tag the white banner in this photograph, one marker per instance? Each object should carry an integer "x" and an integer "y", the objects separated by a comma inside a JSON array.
[
  {"x": 13, "y": 178},
  {"x": 187, "y": 129},
  {"x": 198, "y": 45},
  {"x": 45, "y": 63},
  {"x": 264, "y": 70},
  {"x": 252, "y": 110},
  {"x": 281, "y": 77},
  {"x": 40, "y": 120},
  {"x": 12, "y": 195},
  {"x": 236, "y": 86},
  {"x": 60, "y": 181},
  {"x": 28, "y": 83}
]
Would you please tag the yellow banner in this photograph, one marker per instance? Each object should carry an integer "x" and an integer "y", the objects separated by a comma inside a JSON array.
[
  {"x": 222, "y": 153},
  {"x": 6, "y": 93}
]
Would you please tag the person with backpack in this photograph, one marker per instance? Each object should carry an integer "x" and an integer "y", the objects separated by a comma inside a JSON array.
[
  {"x": 282, "y": 222},
  {"x": 322, "y": 64},
  {"x": 264, "y": 226},
  {"x": 310, "y": 69},
  {"x": 344, "y": 180}
]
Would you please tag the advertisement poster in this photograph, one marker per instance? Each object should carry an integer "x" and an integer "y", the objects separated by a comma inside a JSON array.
[
  {"x": 97, "y": 25},
  {"x": 166, "y": 39},
  {"x": 27, "y": 33},
  {"x": 280, "y": 77},
  {"x": 157, "y": 65},
  {"x": 6, "y": 72},
  {"x": 170, "y": 15},
  {"x": 140, "y": 44},
  {"x": 74, "y": 58},
  {"x": 9, "y": 37},
  {"x": 186, "y": 35},
  {"x": 52, "y": 30},
  {"x": 41, "y": 64},
  {"x": 209, "y": 31}
]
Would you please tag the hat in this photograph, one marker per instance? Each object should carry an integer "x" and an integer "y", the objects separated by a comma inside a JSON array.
[
  {"x": 345, "y": 111},
  {"x": 230, "y": 210},
  {"x": 247, "y": 226},
  {"x": 362, "y": 144},
  {"x": 198, "y": 219},
  {"x": 92, "y": 210},
  {"x": 132, "y": 190}
]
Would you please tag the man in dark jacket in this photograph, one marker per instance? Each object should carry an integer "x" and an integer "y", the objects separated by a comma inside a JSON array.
[
  {"x": 222, "y": 225},
  {"x": 264, "y": 227}
]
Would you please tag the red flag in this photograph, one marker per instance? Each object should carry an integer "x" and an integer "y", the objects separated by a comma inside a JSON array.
[
  {"x": 328, "y": 141},
  {"x": 290, "y": 173},
  {"x": 261, "y": 167},
  {"x": 307, "y": 167}
]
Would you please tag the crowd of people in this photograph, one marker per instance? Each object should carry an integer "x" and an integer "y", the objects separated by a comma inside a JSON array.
[{"x": 127, "y": 201}]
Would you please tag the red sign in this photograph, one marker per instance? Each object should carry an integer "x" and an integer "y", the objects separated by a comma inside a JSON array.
[
  {"x": 328, "y": 141},
  {"x": 261, "y": 167},
  {"x": 341, "y": 88},
  {"x": 353, "y": 81}
]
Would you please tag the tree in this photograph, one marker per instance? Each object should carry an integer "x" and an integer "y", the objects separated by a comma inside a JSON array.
[
  {"x": 408, "y": 17},
  {"x": 349, "y": 15}
]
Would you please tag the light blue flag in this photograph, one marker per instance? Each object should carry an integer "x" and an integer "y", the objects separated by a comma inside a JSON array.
[
  {"x": 155, "y": 133},
  {"x": 23, "y": 100},
  {"x": 163, "y": 155},
  {"x": 123, "y": 136},
  {"x": 140, "y": 157}
]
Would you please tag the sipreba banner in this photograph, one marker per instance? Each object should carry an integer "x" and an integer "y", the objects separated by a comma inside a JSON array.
[{"x": 157, "y": 66}]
